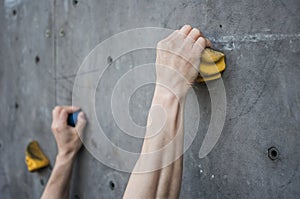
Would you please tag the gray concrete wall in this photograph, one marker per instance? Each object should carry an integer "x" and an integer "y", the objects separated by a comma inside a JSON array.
[{"x": 44, "y": 42}]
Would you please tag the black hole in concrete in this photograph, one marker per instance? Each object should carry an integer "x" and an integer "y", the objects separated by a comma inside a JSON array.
[
  {"x": 62, "y": 33},
  {"x": 109, "y": 60},
  {"x": 14, "y": 12},
  {"x": 16, "y": 105},
  {"x": 76, "y": 197},
  {"x": 42, "y": 182},
  {"x": 37, "y": 59},
  {"x": 111, "y": 185},
  {"x": 75, "y": 2},
  {"x": 221, "y": 26},
  {"x": 273, "y": 153}
]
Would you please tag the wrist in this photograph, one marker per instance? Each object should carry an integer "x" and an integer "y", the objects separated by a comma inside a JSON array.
[
  {"x": 163, "y": 93},
  {"x": 65, "y": 157}
]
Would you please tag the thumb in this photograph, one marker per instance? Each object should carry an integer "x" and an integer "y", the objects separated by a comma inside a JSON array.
[{"x": 81, "y": 122}]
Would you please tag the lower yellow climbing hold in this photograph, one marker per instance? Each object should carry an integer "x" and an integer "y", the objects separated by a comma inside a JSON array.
[
  {"x": 34, "y": 157},
  {"x": 209, "y": 78},
  {"x": 211, "y": 66}
]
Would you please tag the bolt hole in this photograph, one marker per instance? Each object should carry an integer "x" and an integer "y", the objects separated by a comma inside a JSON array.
[
  {"x": 16, "y": 105},
  {"x": 76, "y": 196},
  {"x": 37, "y": 59},
  {"x": 109, "y": 60},
  {"x": 14, "y": 12},
  {"x": 62, "y": 33},
  {"x": 273, "y": 153},
  {"x": 75, "y": 2},
  {"x": 111, "y": 185},
  {"x": 221, "y": 26}
]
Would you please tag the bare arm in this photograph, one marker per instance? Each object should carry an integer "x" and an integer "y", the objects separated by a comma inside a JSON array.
[
  {"x": 158, "y": 171},
  {"x": 68, "y": 143}
]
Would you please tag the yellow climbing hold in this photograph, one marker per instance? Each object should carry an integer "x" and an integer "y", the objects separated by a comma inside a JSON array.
[
  {"x": 34, "y": 157},
  {"x": 211, "y": 66},
  {"x": 208, "y": 78}
]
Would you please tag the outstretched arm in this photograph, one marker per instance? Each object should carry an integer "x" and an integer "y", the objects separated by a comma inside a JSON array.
[
  {"x": 158, "y": 171},
  {"x": 68, "y": 143}
]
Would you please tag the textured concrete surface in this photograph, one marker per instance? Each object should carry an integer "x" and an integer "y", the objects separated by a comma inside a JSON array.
[{"x": 43, "y": 44}]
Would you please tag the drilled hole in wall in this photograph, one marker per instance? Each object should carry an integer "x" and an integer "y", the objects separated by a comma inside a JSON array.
[
  {"x": 221, "y": 26},
  {"x": 111, "y": 185},
  {"x": 75, "y": 2},
  {"x": 273, "y": 153},
  {"x": 37, "y": 59},
  {"x": 62, "y": 33},
  {"x": 76, "y": 196},
  {"x": 16, "y": 105},
  {"x": 42, "y": 182},
  {"x": 14, "y": 12}
]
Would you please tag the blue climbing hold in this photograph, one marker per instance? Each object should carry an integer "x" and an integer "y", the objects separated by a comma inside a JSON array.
[{"x": 72, "y": 119}]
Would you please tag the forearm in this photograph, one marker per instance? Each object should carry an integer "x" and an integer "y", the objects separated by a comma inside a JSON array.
[
  {"x": 58, "y": 185},
  {"x": 166, "y": 140}
]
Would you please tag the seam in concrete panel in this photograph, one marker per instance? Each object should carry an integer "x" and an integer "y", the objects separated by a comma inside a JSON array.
[
  {"x": 255, "y": 37},
  {"x": 54, "y": 48},
  {"x": 258, "y": 37}
]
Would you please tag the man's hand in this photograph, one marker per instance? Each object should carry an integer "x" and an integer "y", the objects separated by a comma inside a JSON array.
[
  {"x": 178, "y": 59},
  {"x": 177, "y": 63},
  {"x": 67, "y": 137},
  {"x": 68, "y": 143}
]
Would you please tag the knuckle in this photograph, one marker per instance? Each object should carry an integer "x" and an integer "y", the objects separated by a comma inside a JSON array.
[
  {"x": 187, "y": 26},
  {"x": 64, "y": 112},
  {"x": 201, "y": 41},
  {"x": 196, "y": 30},
  {"x": 177, "y": 32},
  {"x": 160, "y": 43},
  {"x": 56, "y": 109},
  {"x": 54, "y": 127},
  {"x": 58, "y": 127}
]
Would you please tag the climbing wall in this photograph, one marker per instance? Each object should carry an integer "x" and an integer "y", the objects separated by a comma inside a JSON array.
[{"x": 43, "y": 43}]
